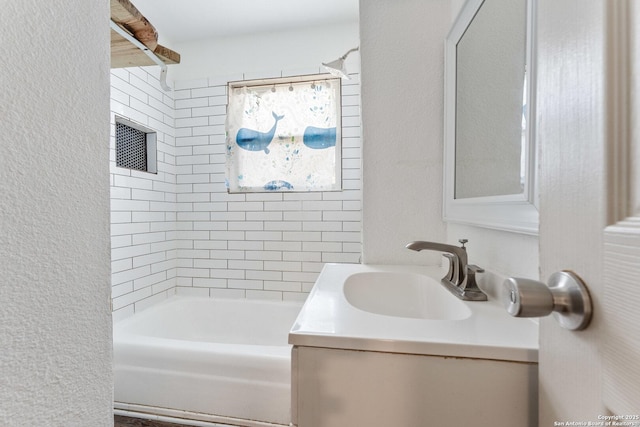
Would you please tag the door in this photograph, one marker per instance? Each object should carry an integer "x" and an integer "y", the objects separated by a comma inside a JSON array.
[{"x": 588, "y": 74}]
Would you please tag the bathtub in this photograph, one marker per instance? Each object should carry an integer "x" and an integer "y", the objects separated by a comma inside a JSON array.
[{"x": 207, "y": 360}]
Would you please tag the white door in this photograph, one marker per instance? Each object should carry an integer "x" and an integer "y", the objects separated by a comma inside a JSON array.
[{"x": 589, "y": 139}]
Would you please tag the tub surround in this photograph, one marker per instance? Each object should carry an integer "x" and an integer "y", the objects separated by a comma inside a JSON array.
[
  {"x": 143, "y": 205},
  {"x": 179, "y": 231},
  {"x": 257, "y": 245}
]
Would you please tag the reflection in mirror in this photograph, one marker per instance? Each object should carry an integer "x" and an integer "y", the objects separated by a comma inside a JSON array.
[
  {"x": 490, "y": 77},
  {"x": 489, "y": 146}
]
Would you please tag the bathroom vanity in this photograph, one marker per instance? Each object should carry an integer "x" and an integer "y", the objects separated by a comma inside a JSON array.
[{"x": 390, "y": 346}]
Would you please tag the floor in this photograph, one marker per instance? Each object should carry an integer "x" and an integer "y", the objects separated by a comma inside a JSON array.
[{"x": 120, "y": 421}]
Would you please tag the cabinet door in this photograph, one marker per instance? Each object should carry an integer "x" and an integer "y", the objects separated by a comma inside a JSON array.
[{"x": 337, "y": 388}]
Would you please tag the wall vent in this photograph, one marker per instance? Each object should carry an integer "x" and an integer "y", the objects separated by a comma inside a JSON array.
[{"x": 135, "y": 146}]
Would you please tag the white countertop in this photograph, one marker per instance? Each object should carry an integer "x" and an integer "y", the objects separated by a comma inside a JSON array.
[{"x": 328, "y": 320}]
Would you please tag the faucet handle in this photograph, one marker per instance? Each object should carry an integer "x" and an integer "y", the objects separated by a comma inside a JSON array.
[
  {"x": 470, "y": 286},
  {"x": 463, "y": 241},
  {"x": 452, "y": 274}
]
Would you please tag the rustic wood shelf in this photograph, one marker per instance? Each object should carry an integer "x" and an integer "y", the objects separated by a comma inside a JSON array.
[{"x": 126, "y": 54}]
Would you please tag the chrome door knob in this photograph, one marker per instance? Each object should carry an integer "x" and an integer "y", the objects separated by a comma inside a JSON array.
[{"x": 566, "y": 296}]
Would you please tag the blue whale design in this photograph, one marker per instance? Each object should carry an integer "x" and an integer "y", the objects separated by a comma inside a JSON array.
[
  {"x": 253, "y": 140},
  {"x": 319, "y": 138},
  {"x": 277, "y": 185}
]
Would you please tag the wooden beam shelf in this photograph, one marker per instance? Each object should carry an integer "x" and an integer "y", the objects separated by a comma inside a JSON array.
[{"x": 126, "y": 54}]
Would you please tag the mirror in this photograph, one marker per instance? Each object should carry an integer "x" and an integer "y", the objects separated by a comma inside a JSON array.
[{"x": 489, "y": 141}]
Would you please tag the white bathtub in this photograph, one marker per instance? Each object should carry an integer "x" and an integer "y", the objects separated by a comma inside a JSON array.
[{"x": 205, "y": 359}]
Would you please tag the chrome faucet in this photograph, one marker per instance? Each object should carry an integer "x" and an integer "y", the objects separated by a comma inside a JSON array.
[{"x": 461, "y": 277}]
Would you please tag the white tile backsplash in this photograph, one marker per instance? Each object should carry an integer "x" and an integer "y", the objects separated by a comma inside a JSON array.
[{"x": 180, "y": 231}]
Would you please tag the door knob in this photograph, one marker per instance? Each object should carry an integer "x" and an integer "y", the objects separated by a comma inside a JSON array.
[{"x": 566, "y": 296}]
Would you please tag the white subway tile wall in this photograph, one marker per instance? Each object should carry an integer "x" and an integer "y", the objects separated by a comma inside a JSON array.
[
  {"x": 256, "y": 245},
  {"x": 180, "y": 231},
  {"x": 143, "y": 205}
]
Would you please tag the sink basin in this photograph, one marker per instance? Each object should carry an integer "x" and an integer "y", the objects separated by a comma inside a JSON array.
[
  {"x": 402, "y": 294},
  {"x": 405, "y": 309}
]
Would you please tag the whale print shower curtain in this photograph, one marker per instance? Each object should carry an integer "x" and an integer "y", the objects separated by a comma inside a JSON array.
[{"x": 284, "y": 136}]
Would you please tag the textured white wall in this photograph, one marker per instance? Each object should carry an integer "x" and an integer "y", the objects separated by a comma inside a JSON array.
[
  {"x": 402, "y": 47},
  {"x": 258, "y": 54},
  {"x": 55, "y": 321},
  {"x": 402, "y": 103}
]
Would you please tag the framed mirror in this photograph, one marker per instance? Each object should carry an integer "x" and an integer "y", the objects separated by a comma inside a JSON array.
[{"x": 490, "y": 154}]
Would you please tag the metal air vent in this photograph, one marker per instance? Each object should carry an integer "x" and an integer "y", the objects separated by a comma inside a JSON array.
[{"x": 135, "y": 146}]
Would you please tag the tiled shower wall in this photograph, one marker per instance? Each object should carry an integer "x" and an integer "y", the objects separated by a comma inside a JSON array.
[
  {"x": 180, "y": 231},
  {"x": 260, "y": 245},
  {"x": 143, "y": 205}
]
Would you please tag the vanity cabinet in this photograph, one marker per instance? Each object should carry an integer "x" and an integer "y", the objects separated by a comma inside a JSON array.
[
  {"x": 404, "y": 362},
  {"x": 338, "y": 388}
]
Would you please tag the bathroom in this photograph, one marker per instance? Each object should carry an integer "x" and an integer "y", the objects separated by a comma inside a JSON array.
[{"x": 56, "y": 317}]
